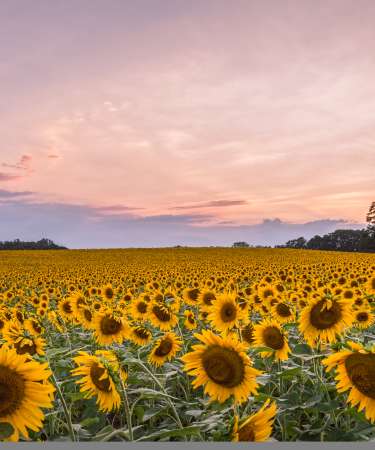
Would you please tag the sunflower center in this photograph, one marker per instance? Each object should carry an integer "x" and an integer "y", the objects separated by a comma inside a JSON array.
[
  {"x": 161, "y": 313},
  {"x": 108, "y": 293},
  {"x": 164, "y": 348},
  {"x": 87, "y": 314},
  {"x": 362, "y": 316},
  {"x": 142, "y": 307},
  {"x": 12, "y": 391},
  {"x": 223, "y": 366},
  {"x": 228, "y": 312},
  {"x": 142, "y": 333},
  {"x": 191, "y": 320},
  {"x": 208, "y": 298},
  {"x": 80, "y": 302},
  {"x": 283, "y": 310},
  {"x": 67, "y": 307},
  {"x": 193, "y": 294},
  {"x": 109, "y": 325},
  {"x": 246, "y": 434},
  {"x": 273, "y": 338},
  {"x": 248, "y": 333},
  {"x": 96, "y": 372},
  {"x": 36, "y": 327},
  {"x": 25, "y": 348},
  {"x": 361, "y": 371},
  {"x": 322, "y": 317}
]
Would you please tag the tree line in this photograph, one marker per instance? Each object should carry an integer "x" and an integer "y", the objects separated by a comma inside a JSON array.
[
  {"x": 42, "y": 244},
  {"x": 341, "y": 240}
]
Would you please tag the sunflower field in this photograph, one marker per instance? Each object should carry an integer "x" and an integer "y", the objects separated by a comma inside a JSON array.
[{"x": 187, "y": 345}]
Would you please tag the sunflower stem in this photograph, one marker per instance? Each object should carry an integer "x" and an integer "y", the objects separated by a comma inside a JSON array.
[
  {"x": 127, "y": 410},
  {"x": 65, "y": 408},
  {"x": 164, "y": 392}
]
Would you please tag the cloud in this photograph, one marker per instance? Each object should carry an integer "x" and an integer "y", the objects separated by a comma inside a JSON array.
[
  {"x": 82, "y": 226},
  {"x": 116, "y": 208},
  {"x": 8, "y": 176},
  {"x": 4, "y": 194},
  {"x": 23, "y": 163},
  {"x": 213, "y": 204}
]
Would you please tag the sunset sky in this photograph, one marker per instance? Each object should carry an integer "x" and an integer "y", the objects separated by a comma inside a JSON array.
[{"x": 164, "y": 122}]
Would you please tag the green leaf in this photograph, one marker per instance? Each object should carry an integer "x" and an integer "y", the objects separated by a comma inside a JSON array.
[
  {"x": 290, "y": 373},
  {"x": 89, "y": 421},
  {"x": 187, "y": 431},
  {"x": 6, "y": 430}
]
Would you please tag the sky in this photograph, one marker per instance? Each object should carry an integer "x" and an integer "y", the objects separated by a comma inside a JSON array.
[{"x": 165, "y": 122}]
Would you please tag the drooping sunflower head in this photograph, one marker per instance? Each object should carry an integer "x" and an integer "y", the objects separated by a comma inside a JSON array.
[
  {"x": 97, "y": 380},
  {"x": 206, "y": 298},
  {"x": 190, "y": 323},
  {"x": 247, "y": 333},
  {"x": 269, "y": 333},
  {"x": 356, "y": 372},
  {"x": 140, "y": 335},
  {"x": 162, "y": 316},
  {"x": 33, "y": 326},
  {"x": 257, "y": 427},
  {"x": 221, "y": 365},
  {"x": 165, "y": 349},
  {"x": 190, "y": 296},
  {"x": 323, "y": 319}
]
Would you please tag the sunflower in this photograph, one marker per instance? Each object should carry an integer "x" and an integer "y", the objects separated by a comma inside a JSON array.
[
  {"x": 283, "y": 312},
  {"x": 190, "y": 323},
  {"x": 24, "y": 390},
  {"x": 138, "y": 308},
  {"x": 161, "y": 316},
  {"x": 97, "y": 380},
  {"x": 370, "y": 285},
  {"x": 323, "y": 319},
  {"x": 140, "y": 335},
  {"x": 77, "y": 302},
  {"x": 226, "y": 313},
  {"x": 190, "y": 296},
  {"x": 247, "y": 334},
  {"x": 257, "y": 427},
  {"x": 108, "y": 292},
  {"x": 23, "y": 341},
  {"x": 33, "y": 326},
  {"x": 165, "y": 349},
  {"x": 109, "y": 328},
  {"x": 86, "y": 317},
  {"x": 206, "y": 299},
  {"x": 363, "y": 318},
  {"x": 356, "y": 372},
  {"x": 65, "y": 308},
  {"x": 269, "y": 333},
  {"x": 222, "y": 366}
]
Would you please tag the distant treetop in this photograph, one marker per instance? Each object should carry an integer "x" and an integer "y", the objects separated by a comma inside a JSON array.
[
  {"x": 240, "y": 244},
  {"x": 42, "y": 244}
]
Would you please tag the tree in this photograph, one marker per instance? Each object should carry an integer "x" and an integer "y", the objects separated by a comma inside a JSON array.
[
  {"x": 241, "y": 244},
  {"x": 297, "y": 243},
  {"x": 42, "y": 244},
  {"x": 370, "y": 218}
]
